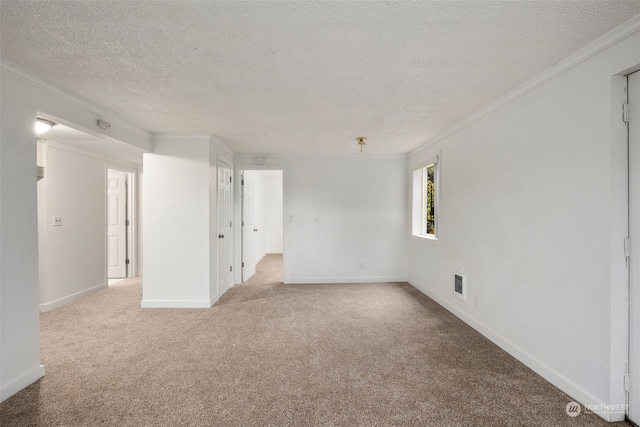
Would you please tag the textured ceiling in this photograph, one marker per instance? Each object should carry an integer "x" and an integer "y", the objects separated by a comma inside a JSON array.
[{"x": 299, "y": 77}]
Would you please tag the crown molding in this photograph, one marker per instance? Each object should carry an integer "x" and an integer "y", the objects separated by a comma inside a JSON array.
[
  {"x": 320, "y": 156},
  {"x": 71, "y": 97},
  {"x": 222, "y": 146},
  {"x": 607, "y": 40},
  {"x": 171, "y": 136},
  {"x": 161, "y": 136}
]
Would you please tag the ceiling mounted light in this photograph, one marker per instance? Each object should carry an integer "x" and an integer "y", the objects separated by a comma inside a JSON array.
[
  {"x": 43, "y": 125},
  {"x": 361, "y": 141}
]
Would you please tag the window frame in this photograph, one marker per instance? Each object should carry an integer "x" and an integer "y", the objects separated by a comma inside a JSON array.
[{"x": 419, "y": 199}]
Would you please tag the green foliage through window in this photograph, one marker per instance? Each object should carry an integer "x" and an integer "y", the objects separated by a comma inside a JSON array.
[
  {"x": 425, "y": 204},
  {"x": 430, "y": 199}
]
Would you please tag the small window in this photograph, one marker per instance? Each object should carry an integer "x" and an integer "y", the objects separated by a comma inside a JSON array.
[{"x": 425, "y": 200}]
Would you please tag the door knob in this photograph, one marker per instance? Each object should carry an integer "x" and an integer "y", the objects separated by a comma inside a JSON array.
[{"x": 220, "y": 236}]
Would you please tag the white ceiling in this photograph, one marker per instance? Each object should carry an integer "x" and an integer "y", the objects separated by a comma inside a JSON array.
[{"x": 299, "y": 77}]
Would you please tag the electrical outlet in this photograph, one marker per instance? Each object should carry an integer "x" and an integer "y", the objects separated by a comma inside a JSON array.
[
  {"x": 361, "y": 265},
  {"x": 290, "y": 218},
  {"x": 57, "y": 221}
]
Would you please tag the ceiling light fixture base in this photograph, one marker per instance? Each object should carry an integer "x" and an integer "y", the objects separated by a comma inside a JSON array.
[
  {"x": 362, "y": 141},
  {"x": 43, "y": 125}
]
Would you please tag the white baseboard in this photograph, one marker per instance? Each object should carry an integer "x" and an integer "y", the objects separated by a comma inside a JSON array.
[
  {"x": 331, "y": 280},
  {"x": 214, "y": 300},
  {"x": 577, "y": 393},
  {"x": 175, "y": 304},
  {"x": 224, "y": 291},
  {"x": 62, "y": 301},
  {"x": 24, "y": 380}
]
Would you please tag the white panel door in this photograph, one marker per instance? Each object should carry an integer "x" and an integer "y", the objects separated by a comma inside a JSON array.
[
  {"x": 248, "y": 226},
  {"x": 116, "y": 224},
  {"x": 634, "y": 230},
  {"x": 225, "y": 230}
]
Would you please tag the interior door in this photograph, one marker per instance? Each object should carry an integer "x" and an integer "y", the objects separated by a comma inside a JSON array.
[
  {"x": 633, "y": 93},
  {"x": 248, "y": 226},
  {"x": 225, "y": 229},
  {"x": 117, "y": 224}
]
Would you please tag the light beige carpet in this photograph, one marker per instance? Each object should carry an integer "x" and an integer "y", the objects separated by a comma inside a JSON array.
[{"x": 270, "y": 354}]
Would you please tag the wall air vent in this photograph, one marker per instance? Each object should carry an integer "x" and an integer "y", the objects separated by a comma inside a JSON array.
[{"x": 460, "y": 286}]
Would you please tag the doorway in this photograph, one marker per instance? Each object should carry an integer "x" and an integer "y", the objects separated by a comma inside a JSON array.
[
  {"x": 633, "y": 123},
  {"x": 262, "y": 228},
  {"x": 225, "y": 228},
  {"x": 74, "y": 170},
  {"x": 118, "y": 224}
]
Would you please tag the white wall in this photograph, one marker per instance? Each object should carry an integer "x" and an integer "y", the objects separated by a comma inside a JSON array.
[
  {"x": 176, "y": 217},
  {"x": 179, "y": 208},
  {"x": 340, "y": 212},
  {"x": 139, "y": 214},
  {"x": 274, "y": 216},
  {"x": 19, "y": 295},
  {"x": 42, "y": 227},
  {"x": 73, "y": 188},
  {"x": 212, "y": 188},
  {"x": 531, "y": 210},
  {"x": 21, "y": 99}
]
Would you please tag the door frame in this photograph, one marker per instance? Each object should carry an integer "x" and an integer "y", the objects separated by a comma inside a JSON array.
[
  {"x": 630, "y": 310},
  {"x": 227, "y": 163},
  {"x": 243, "y": 214},
  {"x": 237, "y": 213},
  {"x": 132, "y": 217}
]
